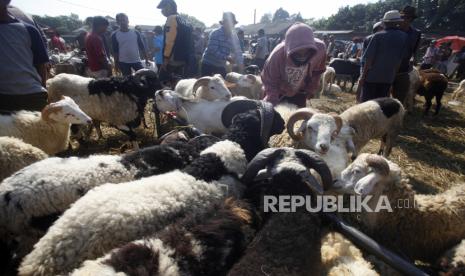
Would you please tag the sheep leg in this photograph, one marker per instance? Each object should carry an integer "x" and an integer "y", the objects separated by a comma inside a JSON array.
[
  {"x": 390, "y": 138},
  {"x": 131, "y": 134},
  {"x": 438, "y": 103},
  {"x": 382, "y": 146},
  {"x": 428, "y": 102},
  {"x": 99, "y": 131}
]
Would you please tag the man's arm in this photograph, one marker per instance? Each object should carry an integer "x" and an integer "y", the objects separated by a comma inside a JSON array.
[
  {"x": 171, "y": 31},
  {"x": 142, "y": 46},
  {"x": 274, "y": 87},
  {"x": 115, "y": 47},
  {"x": 39, "y": 52}
]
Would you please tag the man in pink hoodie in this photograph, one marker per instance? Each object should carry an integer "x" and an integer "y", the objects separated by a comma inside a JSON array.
[{"x": 292, "y": 71}]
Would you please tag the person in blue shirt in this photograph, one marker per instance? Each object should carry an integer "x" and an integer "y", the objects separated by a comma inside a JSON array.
[
  {"x": 223, "y": 45},
  {"x": 23, "y": 64},
  {"x": 158, "y": 46}
]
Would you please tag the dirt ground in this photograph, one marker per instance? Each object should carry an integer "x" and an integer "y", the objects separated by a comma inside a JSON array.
[{"x": 430, "y": 150}]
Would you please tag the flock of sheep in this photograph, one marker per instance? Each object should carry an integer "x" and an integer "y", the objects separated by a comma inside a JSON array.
[{"x": 193, "y": 205}]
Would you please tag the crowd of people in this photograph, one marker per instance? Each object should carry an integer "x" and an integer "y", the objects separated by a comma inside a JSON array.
[{"x": 290, "y": 69}]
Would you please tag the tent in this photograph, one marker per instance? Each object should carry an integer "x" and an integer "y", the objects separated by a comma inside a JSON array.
[{"x": 457, "y": 42}]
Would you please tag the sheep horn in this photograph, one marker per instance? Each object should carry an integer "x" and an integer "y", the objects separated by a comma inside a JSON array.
[
  {"x": 259, "y": 162},
  {"x": 144, "y": 73},
  {"x": 338, "y": 121},
  {"x": 300, "y": 114},
  {"x": 200, "y": 82},
  {"x": 314, "y": 161},
  {"x": 378, "y": 163}
]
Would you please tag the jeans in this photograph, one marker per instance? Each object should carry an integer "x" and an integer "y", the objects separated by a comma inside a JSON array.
[
  {"x": 372, "y": 90},
  {"x": 210, "y": 70},
  {"x": 125, "y": 68}
]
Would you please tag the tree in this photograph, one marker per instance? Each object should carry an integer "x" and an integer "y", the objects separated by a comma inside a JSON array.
[
  {"x": 193, "y": 21},
  {"x": 266, "y": 18},
  {"x": 280, "y": 15},
  {"x": 63, "y": 23}
]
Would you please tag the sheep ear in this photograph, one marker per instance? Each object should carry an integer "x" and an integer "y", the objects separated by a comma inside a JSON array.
[{"x": 366, "y": 184}]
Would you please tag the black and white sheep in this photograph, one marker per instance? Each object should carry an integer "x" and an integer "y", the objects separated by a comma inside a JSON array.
[
  {"x": 412, "y": 227},
  {"x": 289, "y": 242},
  {"x": 207, "y": 88},
  {"x": 346, "y": 68},
  {"x": 114, "y": 214},
  {"x": 15, "y": 155},
  {"x": 118, "y": 101},
  {"x": 380, "y": 118},
  {"x": 48, "y": 130},
  {"x": 33, "y": 198},
  {"x": 204, "y": 243},
  {"x": 433, "y": 84}
]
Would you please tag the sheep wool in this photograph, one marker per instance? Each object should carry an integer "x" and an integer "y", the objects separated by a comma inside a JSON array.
[
  {"x": 114, "y": 214},
  {"x": 15, "y": 155},
  {"x": 201, "y": 244}
]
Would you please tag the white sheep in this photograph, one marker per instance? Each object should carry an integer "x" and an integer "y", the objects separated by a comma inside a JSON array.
[
  {"x": 203, "y": 114},
  {"x": 420, "y": 227},
  {"x": 249, "y": 86},
  {"x": 33, "y": 198},
  {"x": 48, "y": 130},
  {"x": 15, "y": 155},
  {"x": 103, "y": 99},
  {"x": 320, "y": 132},
  {"x": 114, "y": 214},
  {"x": 207, "y": 88},
  {"x": 339, "y": 256},
  {"x": 414, "y": 77},
  {"x": 327, "y": 84},
  {"x": 452, "y": 262}
]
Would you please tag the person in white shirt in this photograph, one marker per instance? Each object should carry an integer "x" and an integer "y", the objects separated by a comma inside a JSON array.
[{"x": 127, "y": 45}]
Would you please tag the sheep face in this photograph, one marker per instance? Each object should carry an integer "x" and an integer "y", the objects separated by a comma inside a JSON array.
[
  {"x": 65, "y": 111},
  {"x": 318, "y": 132},
  {"x": 167, "y": 100},
  {"x": 364, "y": 175},
  {"x": 212, "y": 88}
]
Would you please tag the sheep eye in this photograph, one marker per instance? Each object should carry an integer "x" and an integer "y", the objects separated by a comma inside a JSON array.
[{"x": 212, "y": 87}]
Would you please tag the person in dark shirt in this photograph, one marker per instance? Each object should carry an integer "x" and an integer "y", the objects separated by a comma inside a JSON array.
[
  {"x": 401, "y": 83},
  {"x": 99, "y": 66},
  {"x": 23, "y": 61},
  {"x": 382, "y": 58}
]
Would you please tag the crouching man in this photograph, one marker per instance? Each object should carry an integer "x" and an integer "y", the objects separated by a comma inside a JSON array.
[{"x": 292, "y": 71}]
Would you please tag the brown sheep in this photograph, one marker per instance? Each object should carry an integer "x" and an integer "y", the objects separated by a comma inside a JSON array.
[{"x": 432, "y": 84}]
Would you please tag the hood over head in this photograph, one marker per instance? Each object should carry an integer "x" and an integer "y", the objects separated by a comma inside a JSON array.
[{"x": 299, "y": 36}]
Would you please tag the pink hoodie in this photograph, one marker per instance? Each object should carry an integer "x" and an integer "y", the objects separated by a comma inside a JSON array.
[{"x": 281, "y": 77}]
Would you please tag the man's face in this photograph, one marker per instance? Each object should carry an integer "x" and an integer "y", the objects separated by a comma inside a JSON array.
[
  {"x": 123, "y": 21},
  {"x": 302, "y": 56},
  {"x": 166, "y": 10}
]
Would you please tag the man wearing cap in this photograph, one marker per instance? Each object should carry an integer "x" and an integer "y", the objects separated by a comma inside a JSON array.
[
  {"x": 293, "y": 69},
  {"x": 401, "y": 83},
  {"x": 382, "y": 58},
  {"x": 223, "y": 45},
  {"x": 178, "y": 43}
]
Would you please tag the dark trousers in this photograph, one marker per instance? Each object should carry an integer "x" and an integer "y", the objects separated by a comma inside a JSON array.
[
  {"x": 400, "y": 86},
  {"x": 300, "y": 99},
  {"x": 33, "y": 102},
  {"x": 371, "y": 90},
  {"x": 210, "y": 70},
  {"x": 125, "y": 68}
]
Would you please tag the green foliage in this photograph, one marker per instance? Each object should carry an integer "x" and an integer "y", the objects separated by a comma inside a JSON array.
[
  {"x": 280, "y": 15},
  {"x": 194, "y": 21},
  {"x": 266, "y": 18},
  {"x": 63, "y": 24},
  {"x": 433, "y": 15}
]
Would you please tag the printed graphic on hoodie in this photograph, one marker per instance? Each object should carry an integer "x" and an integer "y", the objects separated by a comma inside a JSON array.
[{"x": 295, "y": 75}]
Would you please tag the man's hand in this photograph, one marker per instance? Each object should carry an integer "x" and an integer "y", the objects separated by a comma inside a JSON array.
[{"x": 231, "y": 60}]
